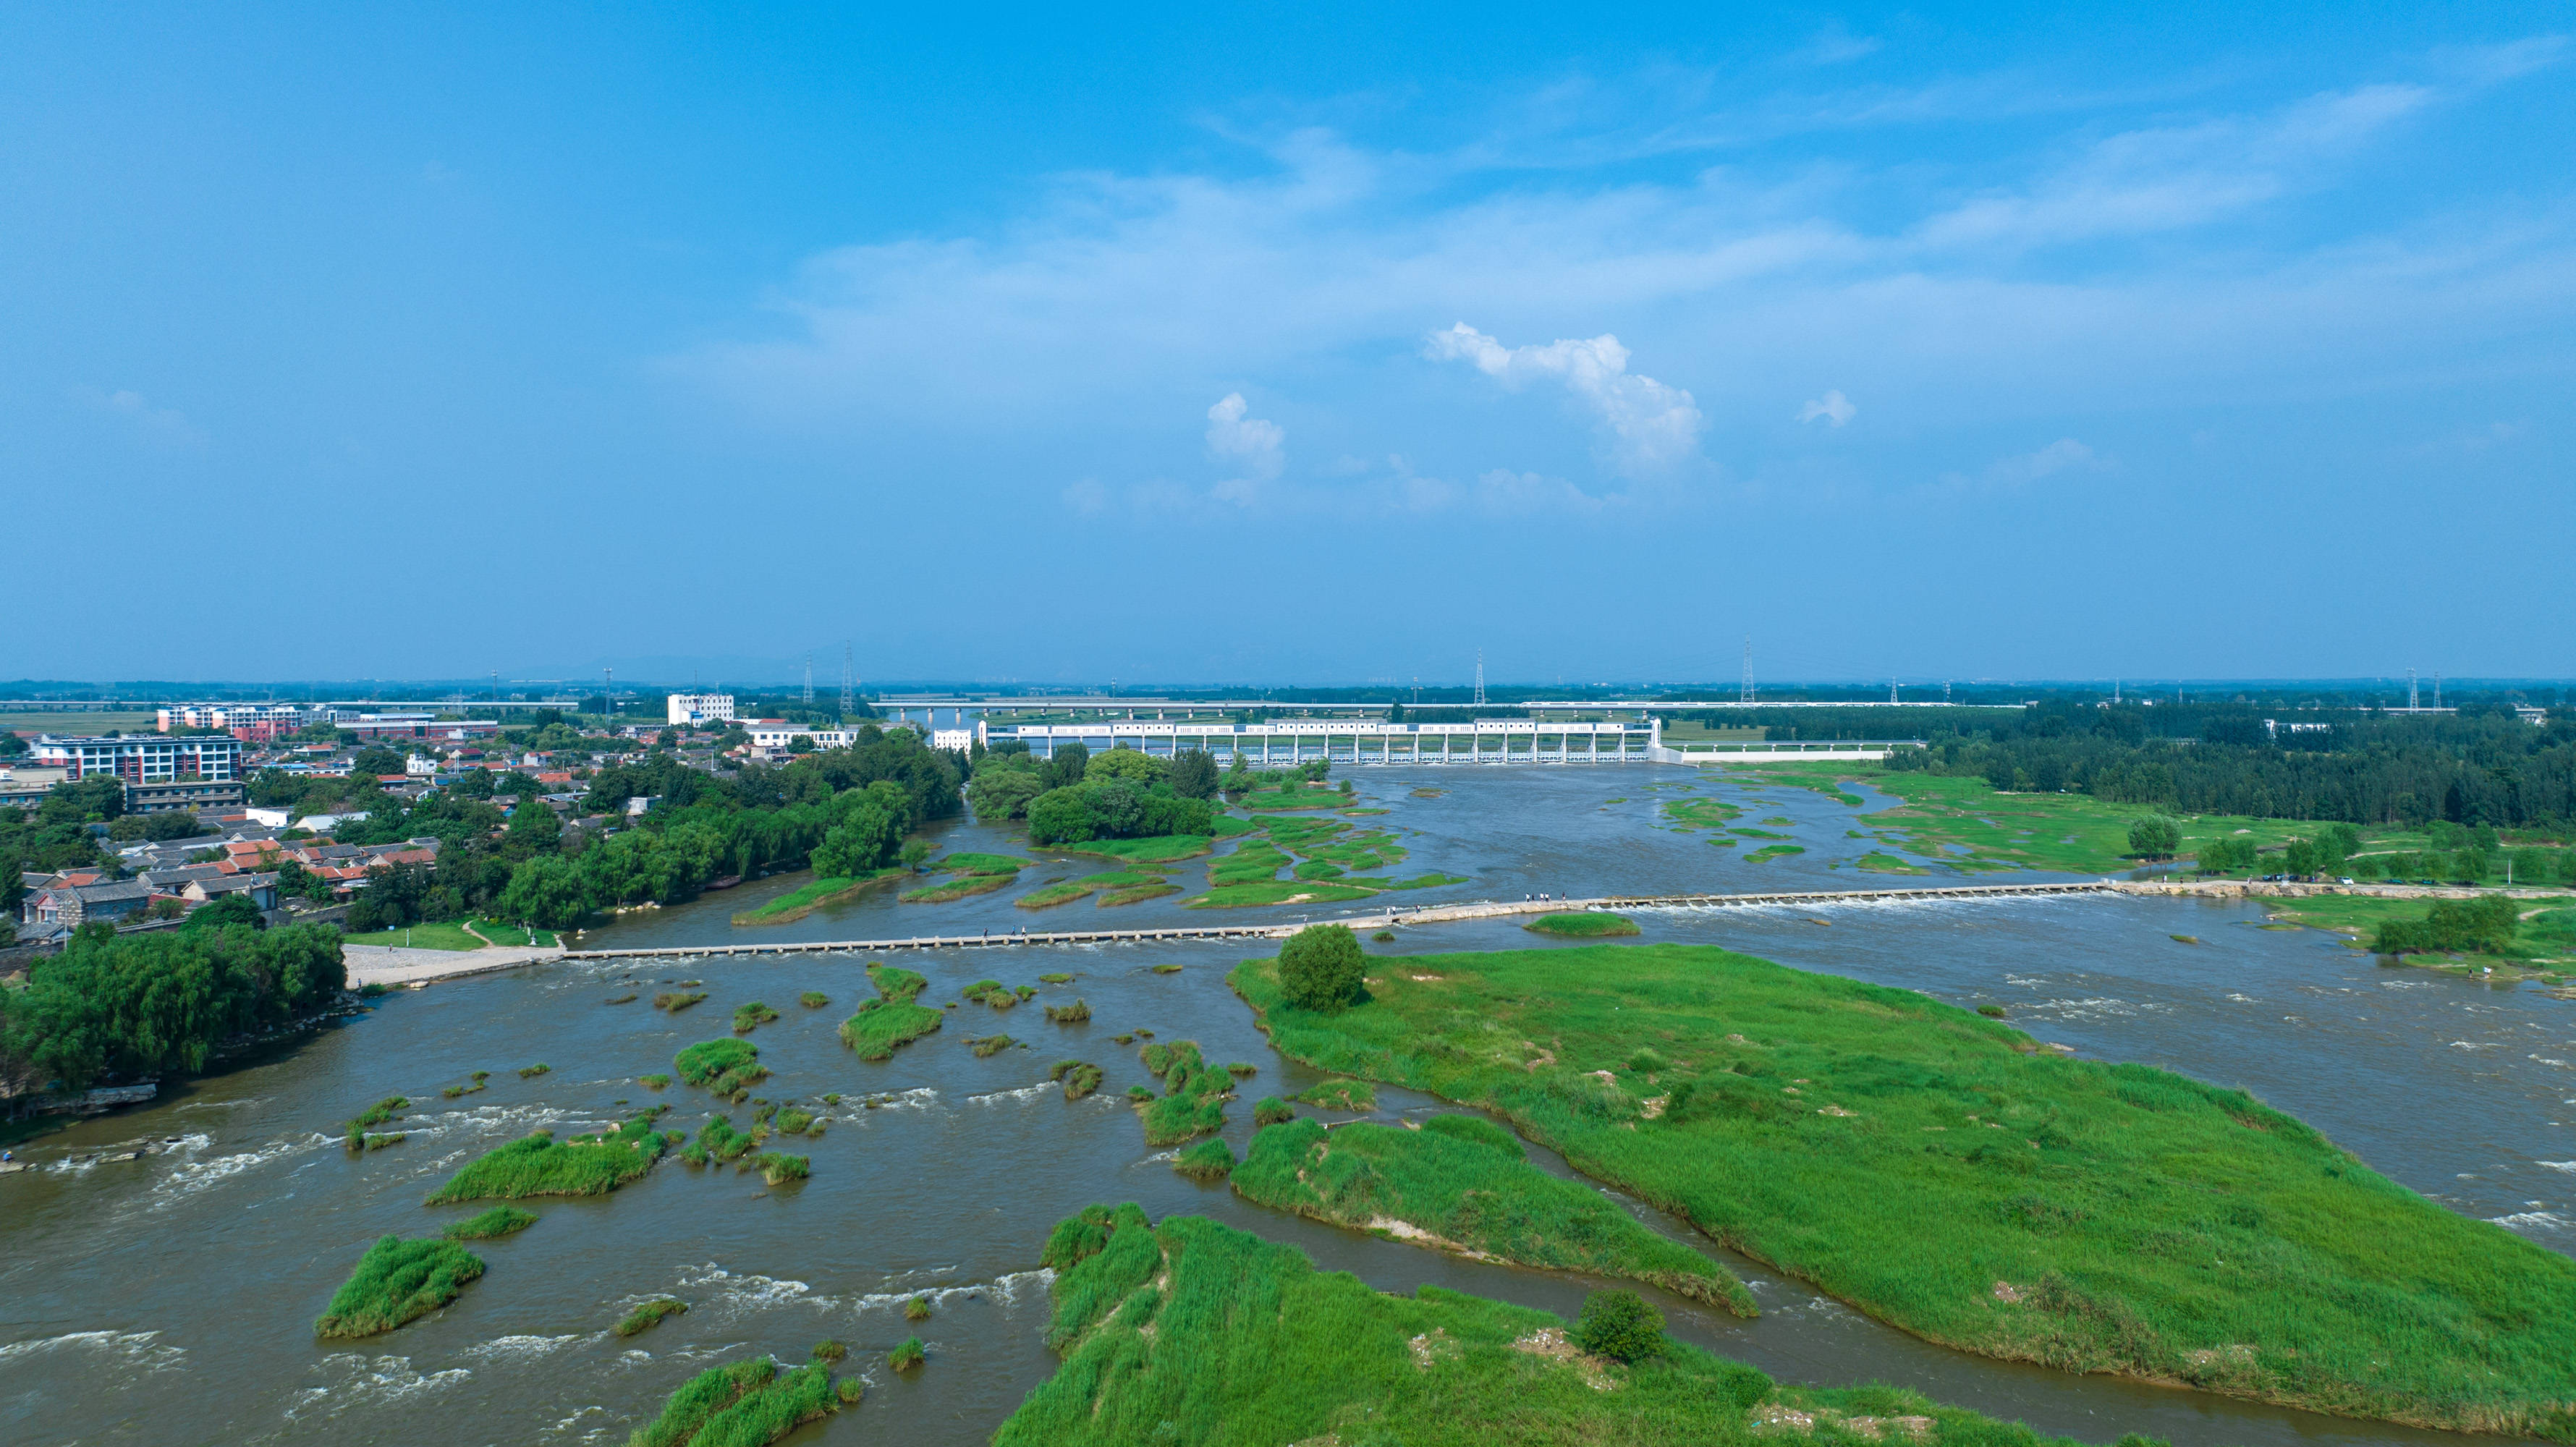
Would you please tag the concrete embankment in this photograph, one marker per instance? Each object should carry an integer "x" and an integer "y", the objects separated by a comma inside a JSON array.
[{"x": 392, "y": 965}]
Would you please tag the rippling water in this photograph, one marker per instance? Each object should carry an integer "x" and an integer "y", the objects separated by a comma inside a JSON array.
[{"x": 170, "y": 1299}]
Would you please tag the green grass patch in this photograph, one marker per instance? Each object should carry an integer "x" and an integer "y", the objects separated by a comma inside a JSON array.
[
  {"x": 750, "y": 1016},
  {"x": 531, "y": 1072},
  {"x": 451, "y": 936},
  {"x": 891, "y": 1019},
  {"x": 1352, "y": 1095},
  {"x": 985, "y": 1046},
  {"x": 1160, "y": 849},
  {"x": 649, "y": 1315},
  {"x": 539, "y": 1165},
  {"x": 1583, "y": 924},
  {"x": 1773, "y": 851},
  {"x": 813, "y": 895},
  {"x": 1878, "y": 862},
  {"x": 1138, "y": 893},
  {"x": 1209, "y": 1160},
  {"x": 654, "y": 1082},
  {"x": 980, "y": 864},
  {"x": 677, "y": 1000},
  {"x": 1229, "y": 827},
  {"x": 1236, "y": 1342},
  {"x": 1756, "y": 834},
  {"x": 1910, "y": 1157},
  {"x": 1701, "y": 813},
  {"x": 1276, "y": 891},
  {"x": 1065, "y": 891},
  {"x": 813, "y": 999},
  {"x": 907, "y": 1355},
  {"x": 492, "y": 1224},
  {"x": 1282, "y": 800},
  {"x": 778, "y": 1168},
  {"x": 1461, "y": 1190},
  {"x": 1422, "y": 881},
  {"x": 1074, "y": 1014},
  {"x": 747, "y": 1404},
  {"x": 396, "y": 1281},
  {"x": 723, "y": 1066},
  {"x": 1055, "y": 977},
  {"x": 1193, "y": 1098},
  {"x": 956, "y": 886}
]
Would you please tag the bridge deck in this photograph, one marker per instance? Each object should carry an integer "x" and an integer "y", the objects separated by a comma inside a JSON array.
[{"x": 1430, "y": 915}]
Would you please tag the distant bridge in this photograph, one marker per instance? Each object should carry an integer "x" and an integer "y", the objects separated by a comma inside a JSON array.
[{"x": 1436, "y": 914}]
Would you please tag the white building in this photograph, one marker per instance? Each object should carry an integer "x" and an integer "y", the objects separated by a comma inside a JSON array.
[
  {"x": 958, "y": 739},
  {"x": 773, "y": 735},
  {"x": 701, "y": 708}
]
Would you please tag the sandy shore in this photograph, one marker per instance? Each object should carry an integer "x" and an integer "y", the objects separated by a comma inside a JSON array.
[{"x": 393, "y": 965}]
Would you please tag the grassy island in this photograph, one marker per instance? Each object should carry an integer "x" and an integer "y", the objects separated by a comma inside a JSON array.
[
  {"x": 488, "y": 1225},
  {"x": 539, "y": 1165},
  {"x": 1193, "y": 1098},
  {"x": 892, "y": 1018},
  {"x": 1454, "y": 1187},
  {"x": 1582, "y": 924},
  {"x": 813, "y": 895},
  {"x": 1235, "y": 1342},
  {"x": 747, "y": 1404},
  {"x": 723, "y": 1066},
  {"x": 396, "y": 1281},
  {"x": 1942, "y": 1173}
]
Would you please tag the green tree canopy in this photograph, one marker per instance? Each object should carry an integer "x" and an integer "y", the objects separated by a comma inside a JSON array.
[{"x": 1320, "y": 968}]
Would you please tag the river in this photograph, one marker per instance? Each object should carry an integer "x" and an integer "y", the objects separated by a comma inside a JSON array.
[{"x": 169, "y": 1299}]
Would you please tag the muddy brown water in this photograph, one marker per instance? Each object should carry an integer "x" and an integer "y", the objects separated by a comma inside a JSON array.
[{"x": 169, "y": 1299}]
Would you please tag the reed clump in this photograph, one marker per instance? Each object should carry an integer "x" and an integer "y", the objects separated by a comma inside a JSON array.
[
  {"x": 488, "y": 1225},
  {"x": 750, "y": 1016},
  {"x": 1074, "y": 1014},
  {"x": 1194, "y": 1094},
  {"x": 1080, "y": 1077},
  {"x": 723, "y": 1066},
  {"x": 1352, "y": 1095},
  {"x": 654, "y": 1082},
  {"x": 985, "y": 1045},
  {"x": 1056, "y": 977},
  {"x": 1583, "y": 924},
  {"x": 377, "y": 1114},
  {"x": 539, "y": 1165},
  {"x": 626, "y": 999},
  {"x": 677, "y": 1000},
  {"x": 917, "y": 1309},
  {"x": 649, "y": 1315},
  {"x": 530, "y": 1072},
  {"x": 1271, "y": 1110},
  {"x": 778, "y": 1168},
  {"x": 813, "y": 999},
  {"x": 718, "y": 1140},
  {"x": 828, "y": 1350},
  {"x": 792, "y": 1121},
  {"x": 395, "y": 1282},
  {"x": 907, "y": 1356},
  {"x": 1209, "y": 1160},
  {"x": 891, "y": 1019},
  {"x": 746, "y": 1404}
]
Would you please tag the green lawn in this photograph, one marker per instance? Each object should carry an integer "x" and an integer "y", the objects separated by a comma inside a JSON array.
[
  {"x": 426, "y": 937},
  {"x": 1942, "y": 1173},
  {"x": 1193, "y": 1332}
]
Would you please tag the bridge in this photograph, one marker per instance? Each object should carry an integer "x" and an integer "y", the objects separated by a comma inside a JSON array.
[{"x": 1435, "y": 914}]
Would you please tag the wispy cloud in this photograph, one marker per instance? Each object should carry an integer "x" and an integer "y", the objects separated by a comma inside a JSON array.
[
  {"x": 163, "y": 428},
  {"x": 1258, "y": 447},
  {"x": 1834, "y": 407}
]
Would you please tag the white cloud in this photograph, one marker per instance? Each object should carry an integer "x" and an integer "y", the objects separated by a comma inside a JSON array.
[
  {"x": 1834, "y": 407},
  {"x": 1651, "y": 426},
  {"x": 2065, "y": 454},
  {"x": 1260, "y": 447}
]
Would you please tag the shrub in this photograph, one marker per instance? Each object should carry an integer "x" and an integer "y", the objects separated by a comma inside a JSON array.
[
  {"x": 850, "y": 1390},
  {"x": 1320, "y": 968},
  {"x": 1384, "y": 937},
  {"x": 655, "y": 1082},
  {"x": 828, "y": 1350},
  {"x": 1991, "y": 1012},
  {"x": 1209, "y": 1160},
  {"x": 917, "y": 1309},
  {"x": 907, "y": 1356},
  {"x": 1621, "y": 1326},
  {"x": 396, "y": 1281},
  {"x": 650, "y": 1314}
]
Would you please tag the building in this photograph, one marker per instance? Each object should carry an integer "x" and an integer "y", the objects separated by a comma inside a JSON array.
[
  {"x": 142, "y": 758},
  {"x": 69, "y": 906},
  {"x": 776, "y": 735},
  {"x": 419, "y": 724},
  {"x": 252, "y": 723},
  {"x": 700, "y": 708},
  {"x": 958, "y": 739},
  {"x": 193, "y": 795}
]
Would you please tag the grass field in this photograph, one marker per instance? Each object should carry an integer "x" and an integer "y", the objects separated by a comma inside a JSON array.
[
  {"x": 1582, "y": 924},
  {"x": 1458, "y": 1189},
  {"x": 1701, "y": 813},
  {"x": 1265, "y": 801},
  {"x": 1276, "y": 891},
  {"x": 956, "y": 886},
  {"x": 813, "y": 895},
  {"x": 1066, "y": 891},
  {"x": 1160, "y": 849},
  {"x": 422, "y": 937},
  {"x": 1193, "y": 1332},
  {"x": 397, "y": 1281},
  {"x": 1940, "y": 1172},
  {"x": 2544, "y": 944}
]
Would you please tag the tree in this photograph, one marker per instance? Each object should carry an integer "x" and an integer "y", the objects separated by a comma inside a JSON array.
[
  {"x": 534, "y": 830},
  {"x": 1621, "y": 1326},
  {"x": 1130, "y": 765},
  {"x": 1000, "y": 793},
  {"x": 231, "y": 909},
  {"x": 545, "y": 891},
  {"x": 1061, "y": 816},
  {"x": 1316, "y": 769},
  {"x": 2154, "y": 837},
  {"x": 1194, "y": 774},
  {"x": 1070, "y": 763},
  {"x": 376, "y": 759},
  {"x": 914, "y": 851},
  {"x": 1320, "y": 968}
]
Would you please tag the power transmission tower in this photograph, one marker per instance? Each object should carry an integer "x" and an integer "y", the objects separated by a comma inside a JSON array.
[
  {"x": 1480, "y": 678},
  {"x": 1746, "y": 695},
  {"x": 608, "y": 691},
  {"x": 1891, "y": 690},
  {"x": 809, "y": 680},
  {"x": 849, "y": 684},
  {"x": 2437, "y": 688},
  {"x": 2410, "y": 690}
]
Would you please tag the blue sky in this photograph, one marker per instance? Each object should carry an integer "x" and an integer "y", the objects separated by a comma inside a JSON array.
[{"x": 1265, "y": 344}]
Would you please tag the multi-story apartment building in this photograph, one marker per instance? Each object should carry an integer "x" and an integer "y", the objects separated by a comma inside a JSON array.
[
  {"x": 142, "y": 758},
  {"x": 252, "y": 723},
  {"x": 701, "y": 708}
]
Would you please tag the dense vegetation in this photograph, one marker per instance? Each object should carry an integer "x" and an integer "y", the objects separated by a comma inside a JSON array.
[
  {"x": 1936, "y": 1169},
  {"x": 1194, "y": 1332},
  {"x": 723, "y": 1066},
  {"x": 151, "y": 1004},
  {"x": 539, "y": 1165},
  {"x": 396, "y": 1281},
  {"x": 2482, "y": 767},
  {"x": 1462, "y": 1189},
  {"x": 1582, "y": 924},
  {"x": 1194, "y": 1093}
]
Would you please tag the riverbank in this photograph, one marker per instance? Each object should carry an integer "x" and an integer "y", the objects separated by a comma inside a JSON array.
[
  {"x": 393, "y": 966},
  {"x": 1940, "y": 1172}
]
